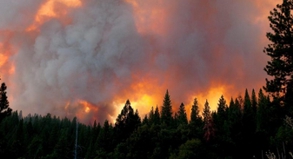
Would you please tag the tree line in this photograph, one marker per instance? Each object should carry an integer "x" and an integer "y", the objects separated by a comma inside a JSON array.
[
  {"x": 255, "y": 125},
  {"x": 246, "y": 127}
]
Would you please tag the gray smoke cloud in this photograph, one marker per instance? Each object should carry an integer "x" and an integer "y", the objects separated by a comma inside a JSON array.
[{"x": 100, "y": 54}]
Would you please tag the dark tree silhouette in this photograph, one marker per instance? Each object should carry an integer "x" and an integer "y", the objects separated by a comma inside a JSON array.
[
  {"x": 208, "y": 122},
  {"x": 4, "y": 104},
  {"x": 166, "y": 115},
  {"x": 280, "y": 67},
  {"x": 126, "y": 122},
  {"x": 182, "y": 117}
]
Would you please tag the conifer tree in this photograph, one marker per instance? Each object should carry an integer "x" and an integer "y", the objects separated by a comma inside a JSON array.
[
  {"x": 4, "y": 104},
  {"x": 222, "y": 106},
  {"x": 280, "y": 67},
  {"x": 221, "y": 115},
  {"x": 166, "y": 114},
  {"x": 157, "y": 118},
  {"x": 196, "y": 123},
  {"x": 151, "y": 115},
  {"x": 262, "y": 111},
  {"x": 208, "y": 122},
  {"x": 126, "y": 122},
  {"x": 182, "y": 117},
  {"x": 247, "y": 104},
  {"x": 194, "y": 116},
  {"x": 253, "y": 101},
  {"x": 232, "y": 103}
]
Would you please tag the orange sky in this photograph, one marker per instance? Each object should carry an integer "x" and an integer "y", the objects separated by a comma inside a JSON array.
[{"x": 85, "y": 58}]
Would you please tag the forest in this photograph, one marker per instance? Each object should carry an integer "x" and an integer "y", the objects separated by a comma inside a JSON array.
[
  {"x": 248, "y": 127},
  {"x": 257, "y": 124}
]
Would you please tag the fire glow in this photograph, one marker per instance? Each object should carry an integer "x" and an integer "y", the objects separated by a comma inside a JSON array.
[
  {"x": 52, "y": 9},
  {"x": 85, "y": 58}
]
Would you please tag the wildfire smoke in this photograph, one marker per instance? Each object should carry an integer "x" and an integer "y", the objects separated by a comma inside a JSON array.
[{"x": 84, "y": 58}]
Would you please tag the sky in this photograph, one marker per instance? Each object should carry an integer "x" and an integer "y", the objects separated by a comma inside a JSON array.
[{"x": 85, "y": 58}]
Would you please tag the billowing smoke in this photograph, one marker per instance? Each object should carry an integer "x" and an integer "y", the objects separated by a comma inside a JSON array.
[{"x": 85, "y": 58}]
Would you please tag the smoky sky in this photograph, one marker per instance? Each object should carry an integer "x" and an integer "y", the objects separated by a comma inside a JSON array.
[{"x": 107, "y": 51}]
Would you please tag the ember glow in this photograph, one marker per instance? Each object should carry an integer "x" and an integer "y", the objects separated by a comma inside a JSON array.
[{"x": 85, "y": 58}]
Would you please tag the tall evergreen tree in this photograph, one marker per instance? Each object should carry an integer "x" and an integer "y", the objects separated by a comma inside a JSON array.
[
  {"x": 247, "y": 103},
  {"x": 194, "y": 116},
  {"x": 4, "y": 104},
  {"x": 182, "y": 117},
  {"x": 104, "y": 142},
  {"x": 253, "y": 101},
  {"x": 208, "y": 122},
  {"x": 280, "y": 67},
  {"x": 154, "y": 116},
  {"x": 221, "y": 116},
  {"x": 157, "y": 118},
  {"x": 222, "y": 106},
  {"x": 126, "y": 122},
  {"x": 196, "y": 123},
  {"x": 166, "y": 114},
  {"x": 151, "y": 115},
  {"x": 261, "y": 111}
]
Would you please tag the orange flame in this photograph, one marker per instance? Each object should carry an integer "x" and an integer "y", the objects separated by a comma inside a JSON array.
[
  {"x": 87, "y": 106},
  {"x": 149, "y": 19},
  {"x": 6, "y": 50},
  {"x": 82, "y": 109},
  {"x": 144, "y": 93},
  {"x": 3, "y": 59},
  {"x": 51, "y": 9},
  {"x": 212, "y": 95}
]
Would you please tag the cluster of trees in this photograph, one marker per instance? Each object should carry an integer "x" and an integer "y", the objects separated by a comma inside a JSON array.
[
  {"x": 248, "y": 126},
  {"x": 252, "y": 126}
]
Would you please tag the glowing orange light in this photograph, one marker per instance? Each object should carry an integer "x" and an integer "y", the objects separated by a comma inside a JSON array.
[
  {"x": 11, "y": 70},
  {"x": 67, "y": 105},
  {"x": 212, "y": 95},
  {"x": 149, "y": 18},
  {"x": 3, "y": 59},
  {"x": 144, "y": 103},
  {"x": 52, "y": 9},
  {"x": 87, "y": 109},
  {"x": 87, "y": 106}
]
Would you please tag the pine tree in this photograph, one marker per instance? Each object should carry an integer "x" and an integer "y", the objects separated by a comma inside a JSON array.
[
  {"x": 126, "y": 122},
  {"x": 157, "y": 118},
  {"x": 154, "y": 116},
  {"x": 196, "y": 123},
  {"x": 4, "y": 104},
  {"x": 222, "y": 106},
  {"x": 182, "y": 117},
  {"x": 104, "y": 143},
  {"x": 208, "y": 122},
  {"x": 253, "y": 101},
  {"x": 166, "y": 115},
  {"x": 194, "y": 116},
  {"x": 221, "y": 115},
  {"x": 262, "y": 111},
  {"x": 280, "y": 67},
  {"x": 151, "y": 115},
  {"x": 247, "y": 109},
  {"x": 247, "y": 104}
]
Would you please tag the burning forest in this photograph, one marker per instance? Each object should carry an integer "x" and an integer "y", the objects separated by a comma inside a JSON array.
[
  {"x": 84, "y": 58},
  {"x": 70, "y": 65}
]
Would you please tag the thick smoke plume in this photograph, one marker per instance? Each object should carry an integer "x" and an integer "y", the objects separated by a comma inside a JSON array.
[{"x": 84, "y": 58}]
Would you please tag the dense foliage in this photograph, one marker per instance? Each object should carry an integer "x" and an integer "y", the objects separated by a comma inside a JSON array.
[
  {"x": 4, "y": 104},
  {"x": 280, "y": 67},
  {"x": 242, "y": 129},
  {"x": 256, "y": 126}
]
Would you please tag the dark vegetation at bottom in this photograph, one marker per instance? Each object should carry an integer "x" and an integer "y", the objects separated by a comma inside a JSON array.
[{"x": 245, "y": 128}]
